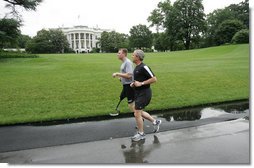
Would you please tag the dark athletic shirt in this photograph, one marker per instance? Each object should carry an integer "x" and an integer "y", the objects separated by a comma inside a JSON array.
[{"x": 142, "y": 73}]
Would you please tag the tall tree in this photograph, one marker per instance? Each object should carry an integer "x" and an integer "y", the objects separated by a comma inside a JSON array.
[
  {"x": 140, "y": 37},
  {"x": 9, "y": 32},
  {"x": 48, "y": 41},
  {"x": 240, "y": 12},
  {"x": 189, "y": 20},
  {"x": 112, "y": 41},
  {"x": 157, "y": 17},
  {"x": 214, "y": 19},
  {"x": 58, "y": 40},
  {"x": 217, "y": 17}
]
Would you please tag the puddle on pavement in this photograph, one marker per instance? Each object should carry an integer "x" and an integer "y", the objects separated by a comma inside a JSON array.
[{"x": 198, "y": 113}]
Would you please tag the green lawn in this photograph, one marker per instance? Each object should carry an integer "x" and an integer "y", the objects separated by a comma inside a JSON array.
[{"x": 72, "y": 86}]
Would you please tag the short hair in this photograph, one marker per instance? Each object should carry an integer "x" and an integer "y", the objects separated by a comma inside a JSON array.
[
  {"x": 140, "y": 54},
  {"x": 124, "y": 50}
]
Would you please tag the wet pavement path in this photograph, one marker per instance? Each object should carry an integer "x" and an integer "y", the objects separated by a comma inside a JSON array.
[
  {"x": 218, "y": 143},
  {"x": 14, "y": 138}
]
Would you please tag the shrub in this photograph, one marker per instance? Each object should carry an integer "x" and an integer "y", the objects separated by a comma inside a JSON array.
[
  {"x": 241, "y": 37},
  {"x": 95, "y": 50},
  {"x": 10, "y": 54},
  {"x": 227, "y": 30}
]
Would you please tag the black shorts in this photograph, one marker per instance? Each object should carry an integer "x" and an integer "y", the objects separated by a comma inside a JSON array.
[
  {"x": 142, "y": 98},
  {"x": 128, "y": 92}
]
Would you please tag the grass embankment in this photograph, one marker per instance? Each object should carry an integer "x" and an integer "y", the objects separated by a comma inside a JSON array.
[{"x": 71, "y": 86}]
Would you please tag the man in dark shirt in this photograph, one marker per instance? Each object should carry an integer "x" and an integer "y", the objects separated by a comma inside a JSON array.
[{"x": 143, "y": 77}]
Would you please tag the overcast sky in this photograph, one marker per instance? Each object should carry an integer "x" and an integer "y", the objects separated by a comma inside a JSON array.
[{"x": 119, "y": 15}]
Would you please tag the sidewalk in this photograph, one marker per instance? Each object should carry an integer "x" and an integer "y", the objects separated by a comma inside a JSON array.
[{"x": 224, "y": 142}]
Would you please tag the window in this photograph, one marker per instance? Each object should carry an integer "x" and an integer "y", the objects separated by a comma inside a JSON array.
[
  {"x": 77, "y": 46},
  {"x": 82, "y": 44},
  {"x": 77, "y": 36},
  {"x": 72, "y": 44},
  {"x": 82, "y": 35}
]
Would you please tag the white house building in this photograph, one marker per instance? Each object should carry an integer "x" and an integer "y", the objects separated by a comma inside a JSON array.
[{"x": 83, "y": 39}]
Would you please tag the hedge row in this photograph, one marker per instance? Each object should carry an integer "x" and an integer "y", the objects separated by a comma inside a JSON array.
[{"x": 4, "y": 54}]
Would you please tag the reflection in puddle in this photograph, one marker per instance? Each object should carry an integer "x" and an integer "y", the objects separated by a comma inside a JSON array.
[
  {"x": 192, "y": 114},
  {"x": 137, "y": 152}
]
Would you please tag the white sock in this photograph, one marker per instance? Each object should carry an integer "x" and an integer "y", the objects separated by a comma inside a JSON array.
[
  {"x": 154, "y": 122},
  {"x": 141, "y": 133}
]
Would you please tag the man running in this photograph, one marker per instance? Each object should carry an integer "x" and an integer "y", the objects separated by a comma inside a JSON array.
[
  {"x": 143, "y": 77},
  {"x": 126, "y": 77}
]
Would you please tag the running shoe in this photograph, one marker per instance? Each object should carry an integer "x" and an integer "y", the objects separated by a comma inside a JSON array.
[{"x": 138, "y": 137}]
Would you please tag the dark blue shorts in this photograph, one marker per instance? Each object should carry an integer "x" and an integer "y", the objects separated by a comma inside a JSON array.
[{"x": 142, "y": 98}]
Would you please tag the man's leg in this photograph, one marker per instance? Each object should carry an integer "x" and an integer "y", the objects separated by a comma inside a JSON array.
[
  {"x": 139, "y": 120},
  {"x": 147, "y": 116},
  {"x": 132, "y": 106},
  {"x": 144, "y": 114}
]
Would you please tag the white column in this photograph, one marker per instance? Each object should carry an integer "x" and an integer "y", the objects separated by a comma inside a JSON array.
[
  {"x": 79, "y": 42},
  {"x": 72, "y": 46},
  {"x": 90, "y": 41},
  {"x": 74, "y": 40},
  {"x": 69, "y": 39},
  {"x": 85, "y": 41},
  {"x": 94, "y": 43}
]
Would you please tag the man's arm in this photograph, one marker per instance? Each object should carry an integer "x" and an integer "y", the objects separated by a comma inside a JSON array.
[
  {"x": 129, "y": 72},
  {"x": 122, "y": 75},
  {"x": 147, "y": 82}
]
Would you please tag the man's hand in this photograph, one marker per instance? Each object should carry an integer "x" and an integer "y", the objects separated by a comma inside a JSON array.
[
  {"x": 115, "y": 74},
  {"x": 136, "y": 84},
  {"x": 132, "y": 85}
]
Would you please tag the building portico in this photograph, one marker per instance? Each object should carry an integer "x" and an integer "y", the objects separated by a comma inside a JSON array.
[{"x": 83, "y": 39}]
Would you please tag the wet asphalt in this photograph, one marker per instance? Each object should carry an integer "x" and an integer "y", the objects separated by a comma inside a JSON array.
[
  {"x": 217, "y": 143},
  {"x": 15, "y": 138}
]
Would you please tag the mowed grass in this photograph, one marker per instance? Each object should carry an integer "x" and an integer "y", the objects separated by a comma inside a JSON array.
[{"x": 71, "y": 86}]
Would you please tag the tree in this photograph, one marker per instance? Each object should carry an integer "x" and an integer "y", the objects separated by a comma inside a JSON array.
[
  {"x": 9, "y": 28},
  {"x": 161, "y": 42},
  {"x": 240, "y": 12},
  {"x": 23, "y": 40},
  {"x": 241, "y": 37},
  {"x": 158, "y": 15},
  {"x": 9, "y": 32},
  {"x": 232, "y": 12},
  {"x": 112, "y": 41},
  {"x": 140, "y": 37},
  {"x": 227, "y": 30},
  {"x": 214, "y": 19},
  {"x": 26, "y": 4},
  {"x": 163, "y": 19},
  {"x": 189, "y": 20},
  {"x": 58, "y": 40},
  {"x": 48, "y": 41}
]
